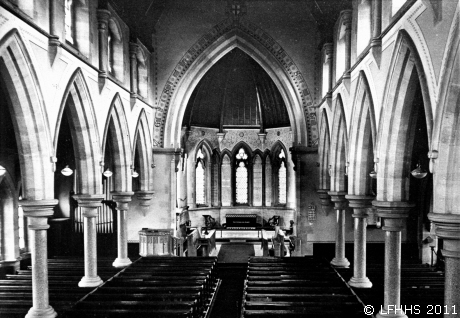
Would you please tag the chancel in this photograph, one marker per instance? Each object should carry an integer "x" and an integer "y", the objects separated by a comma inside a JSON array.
[{"x": 229, "y": 158}]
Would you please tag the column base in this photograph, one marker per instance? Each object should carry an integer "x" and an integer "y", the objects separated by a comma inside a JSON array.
[
  {"x": 90, "y": 281},
  {"x": 121, "y": 262},
  {"x": 340, "y": 262},
  {"x": 392, "y": 313},
  {"x": 360, "y": 282},
  {"x": 42, "y": 313}
]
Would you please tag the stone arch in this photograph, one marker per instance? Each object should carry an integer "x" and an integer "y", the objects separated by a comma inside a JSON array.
[
  {"x": 206, "y": 52},
  {"x": 362, "y": 139},
  {"x": 323, "y": 151},
  {"x": 117, "y": 124},
  {"x": 394, "y": 144},
  {"x": 207, "y": 149},
  {"x": 143, "y": 142},
  {"x": 446, "y": 135},
  {"x": 84, "y": 134},
  {"x": 29, "y": 117},
  {"x": 338, "y": 149}
]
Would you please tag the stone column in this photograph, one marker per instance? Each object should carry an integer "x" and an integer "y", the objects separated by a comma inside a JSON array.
[
  {"x": 122, "y": 200},
  {"x": 360, "y": 203},
  {"x": 447, "y": 227},
  {"x": 340, "y": 204},
  {"x": 191, "y": 182},
  {"x": 103, "y": 16},
  {"x": 347, "y": 14},
  {"x": 89, "y": 204},
  {"x": 38, "y": 213},
  {"x": 394, "y": 216},
  {"x": 133, "y": 49}
]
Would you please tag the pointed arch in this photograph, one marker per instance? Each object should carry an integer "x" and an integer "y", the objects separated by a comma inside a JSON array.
[
  {"x": 117, "y": 124},
  {"x": 324, "y": 151},
  {"x": 362, "y": 139},
  {"x": 143, "y": 146},
  {"x": 174, "y": 99},
  {"x": 27, "y": 109},
  {"x": 446, "y": 135},
  {"x": 82, "y": 120},
  {"x": 338, "y": 149},
  {"x": 247, "y": 148},
  {"x": 394, "y": 139}
]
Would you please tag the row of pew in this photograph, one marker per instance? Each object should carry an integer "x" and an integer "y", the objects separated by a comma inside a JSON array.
[
  {"x": 422, "y": 288},
  {"x": 296, "y": 287},
  {"x": 153, "y": 286}
]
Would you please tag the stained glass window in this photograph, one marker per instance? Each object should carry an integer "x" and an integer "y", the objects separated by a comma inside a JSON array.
[
  {"x": 200, "y": 179},
  {"x": 241, "y": 177},
  {"x": 282, "y": 178}
]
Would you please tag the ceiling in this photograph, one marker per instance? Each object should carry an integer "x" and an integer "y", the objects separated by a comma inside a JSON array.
[
  {"x": 143, "y": 15},
  {"x": 236, "y": 92}
]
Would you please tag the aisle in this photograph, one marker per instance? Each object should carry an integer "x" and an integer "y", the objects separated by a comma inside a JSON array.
[{"x": 228, "y": 301}]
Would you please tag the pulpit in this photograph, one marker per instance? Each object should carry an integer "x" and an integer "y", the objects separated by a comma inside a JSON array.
[{"x": 155, "y": 242}]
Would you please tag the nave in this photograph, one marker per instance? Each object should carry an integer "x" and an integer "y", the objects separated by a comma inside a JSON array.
[{"x": 197, "y": 287}]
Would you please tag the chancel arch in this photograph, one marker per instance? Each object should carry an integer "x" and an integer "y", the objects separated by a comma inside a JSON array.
[{"x": 234, "y": 38}]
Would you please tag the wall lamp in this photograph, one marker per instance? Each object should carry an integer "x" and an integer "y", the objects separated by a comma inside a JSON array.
[{"x": 67, "y": 171}]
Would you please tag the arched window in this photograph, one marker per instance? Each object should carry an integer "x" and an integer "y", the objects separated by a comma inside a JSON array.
[
  {"x": 200, "y": 175},
  {"x": 241, "y": 177},
  {"x": 115, "y": 54},
  {"x": 69, "y": 21},
  {"x": 364, "y": 25},
  {"x": 282, "y": 177}
]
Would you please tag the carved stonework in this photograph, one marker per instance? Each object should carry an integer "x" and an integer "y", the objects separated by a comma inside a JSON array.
[{"x": 242, "y": 25}]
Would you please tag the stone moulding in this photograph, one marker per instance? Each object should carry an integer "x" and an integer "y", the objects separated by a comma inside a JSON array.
[{"x": 290, "y": 68}]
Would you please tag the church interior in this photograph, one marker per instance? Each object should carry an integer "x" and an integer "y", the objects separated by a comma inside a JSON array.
[{"x": 229, "y": 158}]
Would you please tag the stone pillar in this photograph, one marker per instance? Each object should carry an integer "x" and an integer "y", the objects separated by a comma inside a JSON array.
[
  {"x": 302, "y": 159},
  {"x": 38, "y": 213},
  {"x": 347, "y": 14},
  {"x": 394, "y": 215},
  {"x": 447, "y": 227},
  {"x": 103, "y": 16},
  {"x": 133, "y": 49},
  {"x": 89, "y": 204},
  {"x": 122, "y": 200},
  {"x": 359, "y": 203},
  {"x": 340, "y": 204}
]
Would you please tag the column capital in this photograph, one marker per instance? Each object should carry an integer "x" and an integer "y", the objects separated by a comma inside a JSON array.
[
  {"x": 89, "y": 200},
  {"x": 38, "y": 208},
  {"x": 338, "y": 197},
  {"x": 133, "y": 48},
  {"x": 144, "y": 197},
  {"x": 324, "y": 197},
  {"x": 122, "y": 199},
  {"x": 103, "y": 17},
  {"x": 328, "y": 48},
  {"x": 346, "y": 18},
  {"x": 359, "y": 201},
  {"x": 447, "y": 226},
  {"x": 394, "y": 213}
]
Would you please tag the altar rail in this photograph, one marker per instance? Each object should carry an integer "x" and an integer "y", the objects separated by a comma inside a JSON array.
[{"x": 263, "y": 214}]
